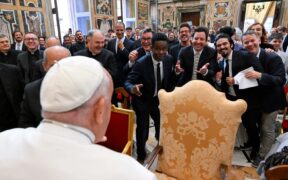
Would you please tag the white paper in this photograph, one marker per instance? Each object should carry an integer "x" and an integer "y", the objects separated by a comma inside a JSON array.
[{"x": 244, "y": 82}]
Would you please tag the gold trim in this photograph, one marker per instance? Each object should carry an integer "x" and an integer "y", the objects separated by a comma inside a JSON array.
[{"x": 131, "y": 115}]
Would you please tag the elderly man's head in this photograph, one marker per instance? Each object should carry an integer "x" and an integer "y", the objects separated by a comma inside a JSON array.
[
  {"x": 77, "y": 90},
  {"x": 4, "y": 44},
  {"x": 97, "y": 41},
  {"x": 53, "y": 54}
]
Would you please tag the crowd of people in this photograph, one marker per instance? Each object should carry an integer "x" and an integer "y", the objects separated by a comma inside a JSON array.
[{"x": 143, "y": 62}]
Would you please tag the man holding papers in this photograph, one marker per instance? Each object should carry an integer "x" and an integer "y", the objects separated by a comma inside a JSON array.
[
  {"x": 234, "y": 67},
  {"x": 271, "y": 82}
]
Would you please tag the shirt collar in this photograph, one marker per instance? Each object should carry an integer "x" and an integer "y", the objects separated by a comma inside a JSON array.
[
  {"x": 153, "y": 60},
  {"x": 122, "y": 40},
  {"x": 71, "y": 129},
  {"x": 195, "y": 52},
  {"x": 230, "y": 55}
]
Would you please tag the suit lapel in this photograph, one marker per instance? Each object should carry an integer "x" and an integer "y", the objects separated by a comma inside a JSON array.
[{"x": 150, "y": 72}]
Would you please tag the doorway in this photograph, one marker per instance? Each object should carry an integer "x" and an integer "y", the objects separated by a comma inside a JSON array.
[{"x": 192, "y": 18}]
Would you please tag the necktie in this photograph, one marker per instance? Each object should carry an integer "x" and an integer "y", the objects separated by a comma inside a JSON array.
[
  {"x": 158, "y": 77},
  {"x": 196, "y": 61},
  {"x": 226, "y": 70},
  {"x": 18, "y": 47}
]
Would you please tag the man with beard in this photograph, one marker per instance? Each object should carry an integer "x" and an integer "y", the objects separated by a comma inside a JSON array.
[
  {"x": 26, "y": 60},
  {"x": 80, "y": 43},
  {"x": 150, "y": 74},
  {"x": 96, "y": 51},
  {"x": 197, "y": 61},
  {"x": 185, "y": 35},
  {"x": 272, "y": 80},
  {"x": 7, "y": 55},
  {"x": 232, "y": 63},
  {"x": 121, "y": 47},
  {"x": 19, "y": 43}
]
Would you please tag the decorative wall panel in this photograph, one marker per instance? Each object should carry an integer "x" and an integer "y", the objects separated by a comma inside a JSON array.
[
  {"x": 143, "y": 14},
  {"x": 104, "y": 14},
  {"x": 26, "y": 16}
]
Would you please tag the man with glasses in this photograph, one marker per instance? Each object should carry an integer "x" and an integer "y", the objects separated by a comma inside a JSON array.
[
  {"x": 26, "y": 60},
  {"x": 144, "y": 49},
  {"x": 184, "y": 36}
]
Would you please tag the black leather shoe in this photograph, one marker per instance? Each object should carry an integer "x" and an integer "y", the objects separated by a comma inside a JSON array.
[{"x": 246, "y": 147}]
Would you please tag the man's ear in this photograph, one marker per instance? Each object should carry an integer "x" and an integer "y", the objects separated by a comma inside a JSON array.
[{"x": 99, "y": 110}]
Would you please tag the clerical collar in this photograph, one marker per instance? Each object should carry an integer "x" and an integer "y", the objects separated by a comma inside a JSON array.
[{"x": 78, "y": 129}]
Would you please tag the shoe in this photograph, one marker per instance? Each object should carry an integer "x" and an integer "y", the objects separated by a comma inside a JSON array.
[
  {"x": 253, "y": 154},
  {"x": 257, "y": 161},
  {"x": 246, "y": 147}
]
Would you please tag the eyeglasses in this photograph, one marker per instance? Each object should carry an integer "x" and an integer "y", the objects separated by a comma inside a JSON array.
[
  {"x": 185, "y": 31},
  {"x": 146, "y": 39},
  {"x": 32, "y": 39}
]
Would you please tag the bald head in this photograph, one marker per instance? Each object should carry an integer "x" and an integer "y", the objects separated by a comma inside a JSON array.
[
  {"x": 97, "y": 42},
  {"x": 52, "y": 41},
  {"x": 53, "y": 54}
]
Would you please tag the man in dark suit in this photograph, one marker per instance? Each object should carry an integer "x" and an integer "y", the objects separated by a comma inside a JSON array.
[
  {"x": 129, "y": 34},
  {"x": 233, "y": 62},
  {"x": 144, "y": 49},
  {"x": 272, "y": 80},
  {"x": 184, "y": 36},
  {"x": 149, "y": 74},
  {"x": 283, "y": 31},
  {"x": 96, "y": 51},
  {"x": 11, "y": 90},
  {"x": 30, "y": 114},
  {"x": 198, "y": 61},
  {"x": 7, "y": 55},
  {"x": 121, "y": 47},
  {"x": 80, "y": 43},
  {"x": 26, "y": 60},
  {"x": 19, "y": 43}
]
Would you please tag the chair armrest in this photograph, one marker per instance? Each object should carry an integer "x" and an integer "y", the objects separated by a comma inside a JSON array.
[
  {"x": 152, "y": 156},
  {"x": 127, "y": 147}
]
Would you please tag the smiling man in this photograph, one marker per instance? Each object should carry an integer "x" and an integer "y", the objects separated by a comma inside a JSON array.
[
  {"x": 272, "y": 80},
  {"x": 232, "y": 63},
  {"x": 198, "y": 61},
  {"x": 26, "y": 61},
  {"x": 97, "y": 51},
  {"x": 150, "y": 74},
  {"x": 7, "y": 54},
  {"x": 184, "y": 36}
]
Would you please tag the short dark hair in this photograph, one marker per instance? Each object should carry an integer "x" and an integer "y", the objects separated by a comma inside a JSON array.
[
  {"x": 227, "y": 30},
  {"x": 120, "y": 23},
  {"x": 282, "y": 28},
  {"x": 77, "y": 32},
  {"x": 185, "y": 25},
  {"x": 16, "y": 32},
  {"x": 110, "y": 30},
  {"x": 201, "y": 29},
  {"x": 159, "y": 37},
  {"x": 275, "y": 36},
  {"x": 223, "y": 35},
  {"x": 128, "y": 28}
]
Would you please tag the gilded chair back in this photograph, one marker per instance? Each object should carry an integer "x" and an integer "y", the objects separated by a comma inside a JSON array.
[
  {"x": 120, "y": 130},
  {"x": 198, "y": 131}
]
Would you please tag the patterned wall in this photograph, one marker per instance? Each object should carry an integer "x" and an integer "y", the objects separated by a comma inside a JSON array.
[
  {"x": 104, "y": 14},
  {"x": 143, "y": 14},
  {"x": 221, "y": 13},
  {"x": 23, "y": 15}
]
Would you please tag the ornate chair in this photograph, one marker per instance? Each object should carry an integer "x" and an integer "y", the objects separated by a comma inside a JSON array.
[
  {"x": 120, "y": 131},
  {"x": 198, "y": 131},
  {"x": 277, "y": 173}
]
